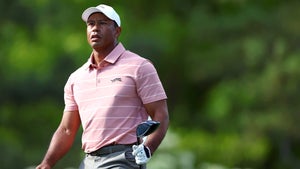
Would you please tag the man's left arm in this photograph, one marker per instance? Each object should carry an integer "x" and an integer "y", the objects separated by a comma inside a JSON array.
[{"x": 158, "y": 111}]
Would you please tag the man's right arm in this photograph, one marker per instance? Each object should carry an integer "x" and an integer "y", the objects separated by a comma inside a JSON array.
[{"x": 62, "y": 139}]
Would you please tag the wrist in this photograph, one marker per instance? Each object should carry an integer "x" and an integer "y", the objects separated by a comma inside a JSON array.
[
  {"x": 47, "y": 163},
  {"x": 44, "y": 165},
  {"x": 149, "y": 148}
]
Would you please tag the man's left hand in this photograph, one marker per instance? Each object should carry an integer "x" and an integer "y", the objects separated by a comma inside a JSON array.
[{"x": 142, "y": 154}]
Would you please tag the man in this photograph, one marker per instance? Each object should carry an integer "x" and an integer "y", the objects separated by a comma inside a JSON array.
[{"x": 109, "y": 96}]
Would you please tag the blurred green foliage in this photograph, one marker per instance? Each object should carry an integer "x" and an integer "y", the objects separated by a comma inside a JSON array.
[{"x": 231, "y": 69}]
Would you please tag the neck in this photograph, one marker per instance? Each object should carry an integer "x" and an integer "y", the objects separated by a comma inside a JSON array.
[{"x": 100, "y": 54}]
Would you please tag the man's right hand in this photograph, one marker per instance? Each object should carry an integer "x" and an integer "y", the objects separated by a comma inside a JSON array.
[{"x": 43, "y": 166}]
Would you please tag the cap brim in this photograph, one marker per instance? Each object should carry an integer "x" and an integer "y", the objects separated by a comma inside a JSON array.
[{"x": 86, "y": 14}]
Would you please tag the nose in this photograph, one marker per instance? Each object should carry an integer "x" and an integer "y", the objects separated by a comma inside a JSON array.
[{"x": 96, "y": 28}]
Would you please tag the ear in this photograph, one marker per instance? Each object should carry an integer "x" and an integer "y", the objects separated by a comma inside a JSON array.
[{"x": 118, "y": 31}]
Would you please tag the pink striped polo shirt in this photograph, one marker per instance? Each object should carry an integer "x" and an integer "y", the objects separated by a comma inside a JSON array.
[{"x": 110, "y": 99}]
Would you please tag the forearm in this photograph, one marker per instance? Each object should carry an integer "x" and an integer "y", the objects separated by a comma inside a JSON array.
[
  {"x": 158, "y": 111},
  {"x": 60, "y": 144},
  {"x": 155, "y": 139}
]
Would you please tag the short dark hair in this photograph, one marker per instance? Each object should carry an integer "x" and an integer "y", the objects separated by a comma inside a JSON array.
[{"x": 115, "y": 24}]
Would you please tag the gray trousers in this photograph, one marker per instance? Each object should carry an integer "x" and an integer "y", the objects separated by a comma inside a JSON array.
[{"x": 111, "y": 158}]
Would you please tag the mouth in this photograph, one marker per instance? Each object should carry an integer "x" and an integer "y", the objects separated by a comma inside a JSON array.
[{"x": 95, "y": 37}]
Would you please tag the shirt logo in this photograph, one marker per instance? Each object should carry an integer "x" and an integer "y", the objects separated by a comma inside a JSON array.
[{"x": 116, "y": 79}]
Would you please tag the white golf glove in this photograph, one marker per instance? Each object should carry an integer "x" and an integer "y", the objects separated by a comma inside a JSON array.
[{"x": 142, "y": 154}]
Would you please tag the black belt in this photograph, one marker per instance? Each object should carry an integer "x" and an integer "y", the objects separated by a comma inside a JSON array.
[{"x": 110, "y": 149}]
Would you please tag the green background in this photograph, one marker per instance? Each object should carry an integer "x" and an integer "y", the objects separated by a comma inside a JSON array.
[{"x": 230, "y": 68}]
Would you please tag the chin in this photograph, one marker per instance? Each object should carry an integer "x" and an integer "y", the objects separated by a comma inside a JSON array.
[{"x": 96, "y": 45}]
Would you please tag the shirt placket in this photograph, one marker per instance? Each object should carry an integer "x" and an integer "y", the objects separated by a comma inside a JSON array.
[
  {"x": 99, "y": 71},
  {"x": 98, "y": 80}
]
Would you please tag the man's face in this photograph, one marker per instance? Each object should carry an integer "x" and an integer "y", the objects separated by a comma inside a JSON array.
[{"x": 102, "y": 33}]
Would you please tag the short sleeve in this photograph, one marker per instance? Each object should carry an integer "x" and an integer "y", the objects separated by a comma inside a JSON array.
[
  {"x": 149, "y": 86},
  {"x": 70, "y": 103}
]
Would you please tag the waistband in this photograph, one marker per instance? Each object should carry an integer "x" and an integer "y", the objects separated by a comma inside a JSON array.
[{"x": 111, "y": 149}]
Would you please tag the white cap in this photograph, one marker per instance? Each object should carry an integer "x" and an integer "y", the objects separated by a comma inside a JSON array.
[{"x": 108, "y": 11}]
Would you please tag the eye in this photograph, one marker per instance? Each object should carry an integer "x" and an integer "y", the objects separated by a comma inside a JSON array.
[
  {"x": 90, "y": 23},
  {"x": 103, "y": 22}
]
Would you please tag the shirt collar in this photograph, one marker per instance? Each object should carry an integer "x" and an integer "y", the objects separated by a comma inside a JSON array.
[{"x": 111, "y": 58}]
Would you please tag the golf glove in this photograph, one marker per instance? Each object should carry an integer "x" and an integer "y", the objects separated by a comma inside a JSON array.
[{"x": 142, "y": 154}]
